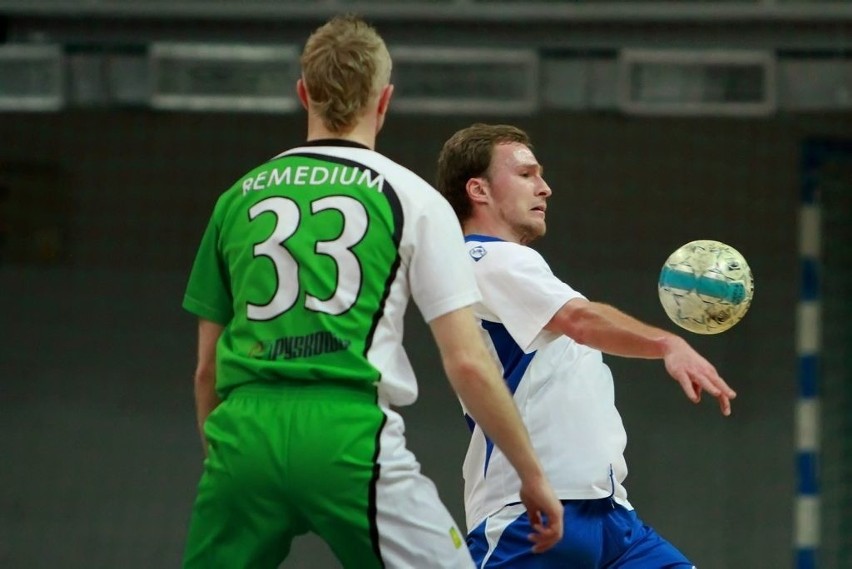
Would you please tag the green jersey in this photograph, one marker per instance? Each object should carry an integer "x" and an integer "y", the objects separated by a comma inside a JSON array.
[{"x": 309, "y": 260}]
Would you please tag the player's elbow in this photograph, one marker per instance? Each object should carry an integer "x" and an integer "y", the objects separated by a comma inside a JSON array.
[
  {"x": 468, "y": 372},
  {"x": 204, "y": 377},
  {"x": 460, "y": 367}
]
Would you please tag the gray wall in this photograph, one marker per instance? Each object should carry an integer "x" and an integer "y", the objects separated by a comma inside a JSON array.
[{"x": 99, "y": 451}]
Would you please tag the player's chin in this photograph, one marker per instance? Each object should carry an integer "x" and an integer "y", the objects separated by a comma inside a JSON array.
[{"x": 529, "y": 232}]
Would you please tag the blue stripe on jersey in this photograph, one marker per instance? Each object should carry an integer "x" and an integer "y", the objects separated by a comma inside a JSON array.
[
  {"x": 514, "y": 362},
  {"x": 512, "y": 357},
  {"x": 480, "y": 238}
]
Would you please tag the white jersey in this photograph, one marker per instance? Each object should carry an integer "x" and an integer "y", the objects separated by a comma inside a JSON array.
[{"x": 563, "y": 390}]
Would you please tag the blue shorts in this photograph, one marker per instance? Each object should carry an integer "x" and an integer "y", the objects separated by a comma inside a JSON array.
[{"x": 599, "y": 534}]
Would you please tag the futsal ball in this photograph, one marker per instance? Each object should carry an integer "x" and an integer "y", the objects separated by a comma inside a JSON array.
[{"x": 706, "y": 287}]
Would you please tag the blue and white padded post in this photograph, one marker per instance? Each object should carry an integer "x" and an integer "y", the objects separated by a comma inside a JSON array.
[{"x": 806, "y": 534}]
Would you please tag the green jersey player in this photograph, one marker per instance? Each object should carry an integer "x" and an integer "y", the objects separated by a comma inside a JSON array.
[{"x": 300, "y": 284}]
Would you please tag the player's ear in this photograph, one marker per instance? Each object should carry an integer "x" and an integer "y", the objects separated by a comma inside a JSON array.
[
  {"x": 302, "y": 92},
  {"x": 382, "y": 107},
  {"x": 384, "y": 99},
  {"x": 477, "y": 190}
]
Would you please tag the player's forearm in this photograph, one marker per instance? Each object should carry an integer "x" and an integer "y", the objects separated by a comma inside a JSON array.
[
  {"x": 205, "y": 399},
  {"x": 609, "y": 330},
  {"x": 205, "y": 373}
]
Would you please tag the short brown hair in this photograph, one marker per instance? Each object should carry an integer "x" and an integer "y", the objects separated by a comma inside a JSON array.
[
  {"x": 345, "y": 63},
  {"x": 467, "y": 154}
]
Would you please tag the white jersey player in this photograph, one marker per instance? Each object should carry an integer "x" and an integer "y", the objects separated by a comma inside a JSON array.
[{"x": 549, "y": 339}]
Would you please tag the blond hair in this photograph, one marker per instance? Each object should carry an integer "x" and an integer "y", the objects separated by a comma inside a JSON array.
[{"x": 345, "y": 64}]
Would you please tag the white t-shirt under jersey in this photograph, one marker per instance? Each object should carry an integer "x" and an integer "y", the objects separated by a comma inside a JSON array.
[{"x": 563, "y": 390}]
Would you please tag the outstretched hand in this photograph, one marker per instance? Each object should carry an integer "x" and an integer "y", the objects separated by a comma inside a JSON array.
[
  {"x": 696, "y": 375},
  {"x": 545, "y": 514}
]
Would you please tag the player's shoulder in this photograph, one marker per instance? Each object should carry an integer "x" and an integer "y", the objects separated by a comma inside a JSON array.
[
  {"x": 404, "y": 180},
  {"x": 363, "y": 156}
]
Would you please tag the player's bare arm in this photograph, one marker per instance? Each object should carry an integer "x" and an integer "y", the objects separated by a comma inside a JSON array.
[
  {"x": 611, "y": 331},
  {"x": 476, "y": 380},
  {"x": 205, "y": 374}
]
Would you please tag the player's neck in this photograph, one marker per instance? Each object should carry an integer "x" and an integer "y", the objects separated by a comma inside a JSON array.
[
  {"x": 364, "y": 133},
  {"x": 485, "y": 226}
]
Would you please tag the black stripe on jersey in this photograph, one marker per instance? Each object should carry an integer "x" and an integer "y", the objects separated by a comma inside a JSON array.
[
  {"x": 336, "y": 142},
  {"x": 398, "y": 219},
  {"x": 327, "y": 158},
  {"x": 372, "y": 505}
]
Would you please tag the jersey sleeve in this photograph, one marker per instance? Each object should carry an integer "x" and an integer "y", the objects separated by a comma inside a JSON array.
[
  {"x": 440, "y": 274},
  {"x": 208, "y": 293},
  {"x": 521, "y": 291}
]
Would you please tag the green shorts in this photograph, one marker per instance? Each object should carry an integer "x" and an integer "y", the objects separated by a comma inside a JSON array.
[{"x": 289, "y": 459}]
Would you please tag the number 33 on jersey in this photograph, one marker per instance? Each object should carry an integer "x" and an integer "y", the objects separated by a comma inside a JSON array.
[{"x": 306, "y": 247}]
